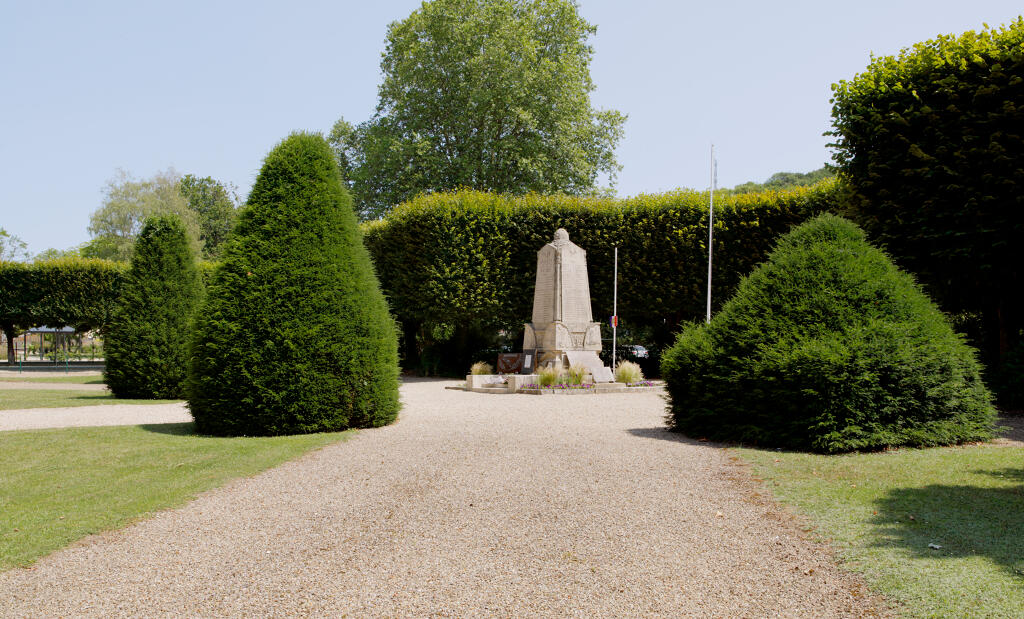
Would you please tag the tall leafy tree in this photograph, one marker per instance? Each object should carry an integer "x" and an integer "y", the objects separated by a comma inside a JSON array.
[
  {"x": 127, "y": 203},
  {"x": 12, "y": 247},
  {"x": 215, "y": 207},
  {"x": 295, "y": 335},
  {"x": 146, "y": 342},
  {"x": 486, "y": 94}
]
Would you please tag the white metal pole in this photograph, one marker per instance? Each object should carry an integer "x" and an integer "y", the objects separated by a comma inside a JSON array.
[
  {"x": 615, "y": 307},
  {"x": 711, "y": 225}
]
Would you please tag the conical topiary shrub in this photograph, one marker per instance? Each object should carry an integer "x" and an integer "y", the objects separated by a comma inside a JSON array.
[
  {"x": 146, "y": 343},
  {"x": 829, "y": 347},
  {"x": 295, "y": 335}
]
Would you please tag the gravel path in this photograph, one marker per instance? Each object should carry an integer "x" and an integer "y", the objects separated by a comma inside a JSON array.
[
  {"x": 101, "y": 415},
  {"x": 470, "y": 505}
]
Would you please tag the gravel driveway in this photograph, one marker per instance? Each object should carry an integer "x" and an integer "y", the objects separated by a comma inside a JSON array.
[{"x": 470, "y": 505}]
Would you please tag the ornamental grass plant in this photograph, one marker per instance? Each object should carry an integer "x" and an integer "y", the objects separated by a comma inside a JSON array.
[
  {"x": 549, "y": 376},
  {"x": 481, "y": 368},
  {"x": 576, "y": 374},
  {"x": 827, "y": 347},
  {"x": 628, "y": 372}
]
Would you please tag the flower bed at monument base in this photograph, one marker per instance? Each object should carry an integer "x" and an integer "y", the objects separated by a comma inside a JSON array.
[
  {"x": 516, "y": 383},
  {"x": 591, "y": 388}
]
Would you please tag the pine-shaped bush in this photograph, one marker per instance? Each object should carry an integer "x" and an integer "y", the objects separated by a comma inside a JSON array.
[
  {"x": 828, "y": 347},
  {"x": 146, "y": 342},
  {"x": 295, "y": 335}
]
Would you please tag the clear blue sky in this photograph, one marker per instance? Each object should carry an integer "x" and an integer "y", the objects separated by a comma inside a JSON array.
[{"x": 209, "y": 87}]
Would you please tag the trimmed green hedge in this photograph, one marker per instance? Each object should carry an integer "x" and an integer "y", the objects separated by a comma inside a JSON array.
[
  {"x": 829, "y": 347},
  {"x": 458, "y": 267},
  {"x": 931, "y": 143},
  {"x": 144, "y": 347},
  {"x": 295, "y": 335},
  {"x": 80, "y": 292}
]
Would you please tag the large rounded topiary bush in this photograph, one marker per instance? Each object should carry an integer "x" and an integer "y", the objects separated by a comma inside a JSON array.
[
  {"x": 146, "y": 343},
  {"x": 295, "y": 335},
  {"x": 829, "y": 347}
]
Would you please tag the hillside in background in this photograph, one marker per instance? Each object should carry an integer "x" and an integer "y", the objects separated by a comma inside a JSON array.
[{"x": 784, "y": 180}]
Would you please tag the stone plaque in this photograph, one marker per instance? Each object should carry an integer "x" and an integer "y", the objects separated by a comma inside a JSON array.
[
  {"x": 529, "y": 360},
  {"x": 603, "y": 374},
  {"x": 589, "y": 360}
]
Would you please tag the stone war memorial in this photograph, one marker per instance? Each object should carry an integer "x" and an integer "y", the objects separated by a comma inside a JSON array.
[{"x": 562, "y": 332}]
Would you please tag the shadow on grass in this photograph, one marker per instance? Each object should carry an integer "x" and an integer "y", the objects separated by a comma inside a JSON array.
[
  {"x": 186, "y": 428},
  {"x": 963, "y": 520},
  {"x": 104, "y": 397}
]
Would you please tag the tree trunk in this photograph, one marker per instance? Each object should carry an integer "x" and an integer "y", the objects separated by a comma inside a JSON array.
[{"x": 8, "y": 329}]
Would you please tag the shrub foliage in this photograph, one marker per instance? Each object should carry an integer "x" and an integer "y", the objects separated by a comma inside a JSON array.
[
  {"x": 78, "y": 292},
  {"x": 460, "y": 266},
  {"x": 827, "y": 347},
  {"x": 147, "y": 341},
  {"x": 930, "y": 143},
  {"x": 295, "y": 335}
]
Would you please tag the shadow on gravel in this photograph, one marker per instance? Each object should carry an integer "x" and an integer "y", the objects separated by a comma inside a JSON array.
[
  {"x": 427, "y": 379},
  {"x": 665, "y": 434}
]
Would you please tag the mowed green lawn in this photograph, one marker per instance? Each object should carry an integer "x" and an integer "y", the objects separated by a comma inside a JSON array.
[
  {"x": 884, "y": 512},
  {"x": 57, "y": 486},
  {"x": 11, "y": 399},
  {"x": 77, "y": 379}
]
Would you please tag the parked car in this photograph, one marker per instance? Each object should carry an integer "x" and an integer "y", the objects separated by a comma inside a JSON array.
[{"x": 636, "y": 350}]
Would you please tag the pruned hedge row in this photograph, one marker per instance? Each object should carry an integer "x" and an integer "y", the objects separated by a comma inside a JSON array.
[
  {"x": 81, "y": 292},
  {"x": 459, "y": 266},
  {"x": 930, "y": 143}
]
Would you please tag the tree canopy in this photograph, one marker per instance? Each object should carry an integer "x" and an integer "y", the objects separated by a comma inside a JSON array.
[
  {"x": 486, "y": 94},
  {"x": 12, "y": 247},
  {"x": 206, "y": 207},
  {"x": 127, "y": 203},
  {"x": 216, "y": 208}
]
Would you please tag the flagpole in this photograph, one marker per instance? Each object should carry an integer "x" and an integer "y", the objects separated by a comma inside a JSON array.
[
  {"x": 615, "y": 307},
  {"x": 711, "y": 225}
]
